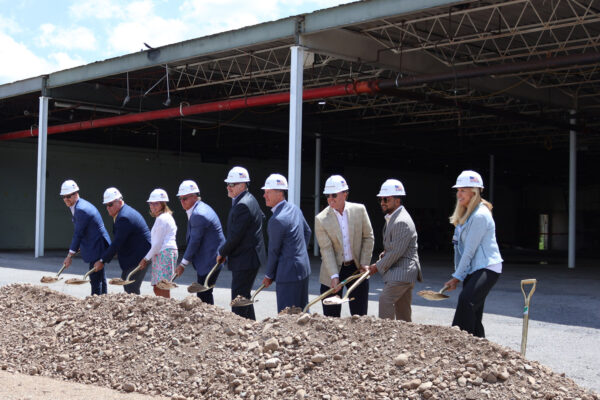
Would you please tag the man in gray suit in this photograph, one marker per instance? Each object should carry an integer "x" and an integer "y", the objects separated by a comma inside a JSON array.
[{"x": 399, "y": 262}]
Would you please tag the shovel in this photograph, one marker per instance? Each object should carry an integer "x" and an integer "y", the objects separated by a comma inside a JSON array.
[
  {"x": 164, "y": 284},
  {"x": 121, "y": 282},
  {"x": 526, "y": 311},
  {"x": 198, "y": 288},
  {"x": 431, "y": 295},
  {"x": 52, "y": 279},
  {"x": 77, "y": 281},
  {"x": 243, "y": 302},
  {"x": 335, "y": 300},
  {"x": 327, "y": 293}
]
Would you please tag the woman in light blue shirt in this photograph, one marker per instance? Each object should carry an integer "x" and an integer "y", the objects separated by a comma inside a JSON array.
[{"x": 477, "y": 260}]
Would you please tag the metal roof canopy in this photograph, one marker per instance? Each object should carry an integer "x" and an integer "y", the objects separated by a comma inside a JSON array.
[{"x": 435, "y": 121}]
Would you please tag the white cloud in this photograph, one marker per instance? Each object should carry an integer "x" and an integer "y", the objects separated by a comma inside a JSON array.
[
  {"x": 78, "y": 37},
  {"x": 101, "y": 9},
  {"x": 8, "y": 25}
]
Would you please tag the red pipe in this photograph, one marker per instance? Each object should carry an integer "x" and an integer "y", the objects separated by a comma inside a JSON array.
[{"x": 176, "y": 112}]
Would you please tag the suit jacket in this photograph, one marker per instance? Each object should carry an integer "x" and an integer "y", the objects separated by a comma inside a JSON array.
[
  {"x": 400, "y": 262},
  {"x": 289, "y": 235},
  {"x": 204, "y": 237},
  {"x": 131, "y": 238},
  {"x": 329, "y": 237},
  {"x": 90, "y": 235},
  {"x": 245, "y": 244}
]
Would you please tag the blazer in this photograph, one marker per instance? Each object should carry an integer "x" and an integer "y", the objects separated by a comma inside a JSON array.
[
  {"x": 245, "y": 243},
  {"x": 131, "y": 238},
  {"x": 475, "y": 245},
  {"x": 204, "y": 237},
  {"x": 400, "y": 262},
  {"x": 90, "y": 235},
  {"x": 289, "y": 235},
  {"x": 329, "y": 237}
]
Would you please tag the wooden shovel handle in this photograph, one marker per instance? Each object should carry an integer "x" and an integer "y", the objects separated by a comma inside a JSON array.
[
  {"x": 261, "y": 287},
  {"x": 524, "y": 282}
]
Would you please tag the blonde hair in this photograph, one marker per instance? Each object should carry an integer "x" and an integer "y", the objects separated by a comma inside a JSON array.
[
  {"x": 164, "y": 209},
  {"x": 461, "y": 214}
]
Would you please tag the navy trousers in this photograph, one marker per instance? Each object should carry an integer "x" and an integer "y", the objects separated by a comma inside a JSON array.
[
  {"x": 291, "y": 294},
  {"x": 469, "y": 310},
  {"x": 207, "y": 296},
  {"x": 138, "y": 277},
  {"x": 241, "y": 284},
  {"x": 98, "y": 281}
]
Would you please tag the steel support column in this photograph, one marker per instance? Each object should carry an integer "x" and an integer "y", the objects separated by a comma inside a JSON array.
[
  {"x": 295, "y": 147},
  {"x": 317, "y": 187},
  {"x": 572, "y": 188},
  {"x": 40, "y": 205}
]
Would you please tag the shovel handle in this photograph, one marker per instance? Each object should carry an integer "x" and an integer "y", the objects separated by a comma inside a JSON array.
[
  {"x": 261, "y": 287},
  {"x": 527, "y": 297},
  {"x": 364, "y": 276},
  {"x": 133, "y": 271},
  {"x": 212, "y": 271},
  {"x": 444, "y": 289},
  {"x": 60, "y": 271},
  {"x": 88, "y": 274},
  {"x": 328, "y": 292}
]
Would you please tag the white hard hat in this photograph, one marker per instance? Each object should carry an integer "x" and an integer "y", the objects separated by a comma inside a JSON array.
[
  {"x": 68, "y": 187},
  {"x": 111, "y": 194},
  {"x": 392, "y": 187},
  {"x": 276, "y": 181},
  {"x": 469, "y": 178},
  {"x": 158, "y": 195},
  {"x": 335, "y": 184},
  {"x": 237, "y": 175},
  {"x": 188, "y": 187}
]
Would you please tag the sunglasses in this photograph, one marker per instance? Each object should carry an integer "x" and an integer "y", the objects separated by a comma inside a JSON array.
[
  {"x": 109, "y": 205},
  {"x": 184, "y": 198},
  {"x": 68, "y": 196},
  {"x": 230, "y": 185},
  {"x": 332, "y": 195},
  {"x": 385, "y": 200}
]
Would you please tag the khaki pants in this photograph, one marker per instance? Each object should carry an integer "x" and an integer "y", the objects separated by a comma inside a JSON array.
[{"x": 395, "y": 300}]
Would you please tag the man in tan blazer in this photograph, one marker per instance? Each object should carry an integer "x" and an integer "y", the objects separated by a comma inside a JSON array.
[
  {"x": 345, "y": 237},
  {"x": 399, "y": 263}
]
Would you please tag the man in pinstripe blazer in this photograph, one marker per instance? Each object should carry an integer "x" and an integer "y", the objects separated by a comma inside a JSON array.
[{"x": 399, "y": 263}]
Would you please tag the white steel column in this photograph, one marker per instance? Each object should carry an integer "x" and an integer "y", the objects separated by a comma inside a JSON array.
[
  {"x": 40, "y": 205},
  {"x": 572, "y": 188},
  {"x": 491, "y": 180},
  {"x": 317, "y": 186},
  {"x": 295, "y": 148}
]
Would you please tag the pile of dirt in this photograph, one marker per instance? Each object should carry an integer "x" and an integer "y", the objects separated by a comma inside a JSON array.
[{"x": 187, "y": 349}]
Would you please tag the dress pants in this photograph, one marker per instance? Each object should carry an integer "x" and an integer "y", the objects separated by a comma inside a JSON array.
[
  {"x": 469, "y": 310},
  {"x": 138, "y": 278},
  {"x": 291, "y": 294},
  {"x": 98, "y": 281},
  {"x": 395, "y": 300},
  {"x": 359, "y": 305},
  {"x": 242, "y": 282},
  {"x": 207, "y": 296}
]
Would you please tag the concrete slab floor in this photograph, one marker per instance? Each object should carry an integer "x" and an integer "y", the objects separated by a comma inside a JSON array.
[{"x": 564, "y": 325}]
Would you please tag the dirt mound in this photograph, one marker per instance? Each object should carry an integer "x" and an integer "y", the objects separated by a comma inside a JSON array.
[{"x": 187, "y": 349}]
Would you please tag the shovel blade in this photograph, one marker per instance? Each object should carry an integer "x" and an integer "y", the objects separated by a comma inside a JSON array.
[
  {"x": 198, "y": 288},
  {"x": 76, "y": 281},
  {"x": 335, "y": 300},
  {"x": 241, "y": 302},
  {"x": 431, "y": 295},
  {"x": 49, "y": 279},
  {"x": 165, "y": 285}
]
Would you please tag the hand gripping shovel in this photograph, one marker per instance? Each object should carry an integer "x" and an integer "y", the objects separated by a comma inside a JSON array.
[
  {"x": 198, "y": 288},
  {"x": 327, "y": 293},
  {"x": 241, "y": 301},
  {"x": 52, "y": 279},
  {"x": 431, "y": 295},
  {"x": 164, "y": 284},
  {"x": 335, "y": 300},
  {"x": 526, "y": 311},
  {"x": 77, "y": 281},
  {"x": 121, "y": 282}
]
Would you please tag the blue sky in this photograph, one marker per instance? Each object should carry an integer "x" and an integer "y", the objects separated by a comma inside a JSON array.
[{"x": 39, "y": 37}]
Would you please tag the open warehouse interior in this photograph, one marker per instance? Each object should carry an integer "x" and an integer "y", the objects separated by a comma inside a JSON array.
[{"x": 418, "y": 92}]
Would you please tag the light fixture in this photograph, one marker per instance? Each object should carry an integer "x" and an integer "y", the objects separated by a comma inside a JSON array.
[
  {"x": 322, "y": 102},
  {"x": 127, "y": 98},
  {"x": 167, "y": 102}
]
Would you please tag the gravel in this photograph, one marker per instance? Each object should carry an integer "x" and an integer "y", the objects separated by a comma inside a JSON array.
[{"x": 191, "y": 350}]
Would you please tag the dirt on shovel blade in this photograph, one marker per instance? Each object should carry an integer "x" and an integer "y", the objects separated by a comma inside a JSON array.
[
  {"x": 240, "y": 301},
  {"x": 431, "y": 295},
  {"x": 116, "y": 281},
  {"x": 49, "y": 279},
  {"x": 75, "y": 281},
  {"x": 163, "y": 284}
]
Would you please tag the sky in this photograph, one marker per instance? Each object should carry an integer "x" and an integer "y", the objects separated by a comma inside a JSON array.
[{"x": 42, "y": 36}]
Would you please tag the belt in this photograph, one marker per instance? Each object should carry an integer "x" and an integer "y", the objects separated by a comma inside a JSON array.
[{"x": 347, "y": 263}]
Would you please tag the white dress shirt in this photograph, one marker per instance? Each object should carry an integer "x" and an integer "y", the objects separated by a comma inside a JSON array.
[
  {"x": 343, "y": 221},
  {"x": 163, "y": 235}
]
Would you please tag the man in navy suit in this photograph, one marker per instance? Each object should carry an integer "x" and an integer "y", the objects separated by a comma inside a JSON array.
[
  {"x": 90, "y": 236},
  {"x": 287, "y": 264},
  {"x": 204, "y": 235},
  {"x": 131, "y": 239},
  {"x": 244, "y": 248}
]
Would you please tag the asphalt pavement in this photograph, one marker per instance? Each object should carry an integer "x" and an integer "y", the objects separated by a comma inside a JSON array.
[{"x": 564, "y": 315}]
